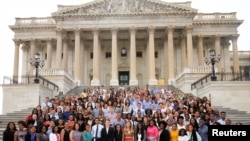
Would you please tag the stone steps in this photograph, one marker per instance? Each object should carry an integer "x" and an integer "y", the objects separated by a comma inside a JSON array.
[
  {"x": 235, "y": 115},
  {"x": 14, "y": 117}
]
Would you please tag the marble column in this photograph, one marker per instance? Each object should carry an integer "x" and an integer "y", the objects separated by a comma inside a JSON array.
[
  {"x": 77, "y": 56},
  {"x": 16, "y": 61},
  {"x": 96, "y": 62},
  {"x": 152, "y": 80},
  {"x": 171, "y": 59},
  {"x": 200, "y": 51},
  {"x": 49, "y": 53},
  {"x": 32, "y": 53},
  {"x": 236, "y": 67},
  {"x": 218, "y": 51},
  {"x": 59, "y": 48},
  {"x": 114, "y": 77},
  {"x": 183, "y": 52},
  {"x": 165, "y": 57},
  {"x": 133, "y": 80},
  {"x": 189, "y": 30},
  {"x": 65, "y": 54}
]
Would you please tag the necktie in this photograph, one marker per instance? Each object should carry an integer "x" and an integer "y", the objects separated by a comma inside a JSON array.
[{"x": 96, "y": 132}]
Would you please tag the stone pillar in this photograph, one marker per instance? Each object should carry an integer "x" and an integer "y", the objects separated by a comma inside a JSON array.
[
  {"x": 183, "y": 52},
  {"x": 65, "y": 54},
  {"x": 59, "y": 48},
  {"x": 95, "y": 81},
  {"x": 189, "y": 30},
  {"x": 77, "y": 56},
  {"x": 200, "y": 51},
  {"x": 32, "y": 54},
  {"x": 16, "y": 61},
  {"x": 49, "y": 52},
  {"x": 114, "y": 79},
  {"x": 152, "y": 80},
  {"x": 236, "y": 67},
  {"x": 165, "y": 58},
  {"x": 171, "y": 59},
  {"x": 218, "y": 51},
  {"x": 133, "y": 80}
]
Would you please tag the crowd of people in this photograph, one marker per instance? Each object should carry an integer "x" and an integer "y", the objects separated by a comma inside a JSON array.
[{"x": 119, "y": 114}]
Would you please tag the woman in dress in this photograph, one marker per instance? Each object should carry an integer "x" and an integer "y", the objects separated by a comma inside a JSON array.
[
  {"x": 76, "y": 134},
  {"x": 118, "y": 133},
  {"x": 65, "y": 132},
  {"x": 164, "y": 134},
  {"x": 21, "y": 132},
  {"x": 8, "y": 134},
  {"x": 54, "y": 136},
  {"x": 192, "y": 134},
  {"x": 174, "y": 132},
  {"x": 128, "y": 132},
  {"x": 183, "y": 135},
  {"x": 140, "y": 134},
  {"x": 87, "y": 133},
  {"x": 152, "y": 131},
  {"x": 42, "y": 135}
]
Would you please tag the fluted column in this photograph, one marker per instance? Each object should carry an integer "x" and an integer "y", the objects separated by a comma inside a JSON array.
[
  {"x": 171, "y": 65},
  {"x": 95, "y": 81},
  {"x": 32, "y": 53},
  {"x": 183, "y": 52},
  {"x": 59, "y": 48},
  {"x": 49, "y": 51},
  {"x": 217, "y": 51},
  {"x": 114, "y": 79},
  {"x": 16, "y": 61},
  {"x": 189, "y": 30},
  {"x": 133, "y": 80},
  {"x": 200, "y": 51},
  {"x": 65, "y": 54},
  {"x": 152, "y": 80},
  {"x": 236, "y": 67},
  {"x": 77, "y": 56}
]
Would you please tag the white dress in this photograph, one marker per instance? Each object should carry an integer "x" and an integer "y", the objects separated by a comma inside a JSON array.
[{"x": 183, "y": 138}]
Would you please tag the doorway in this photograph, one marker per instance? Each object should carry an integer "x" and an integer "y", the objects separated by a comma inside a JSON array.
[{"x": 123, "y": 77}]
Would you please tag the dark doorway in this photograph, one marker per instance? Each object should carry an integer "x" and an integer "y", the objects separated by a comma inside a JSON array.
[{"x": 123, "y": 77}]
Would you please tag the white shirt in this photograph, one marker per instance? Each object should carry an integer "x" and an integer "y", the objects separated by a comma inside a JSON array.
[
  {"x": 183, "y": 138},
  {"x": 94, "y": 128}
]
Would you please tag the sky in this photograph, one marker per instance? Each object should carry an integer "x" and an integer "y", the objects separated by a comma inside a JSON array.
[{"x": 10, "y": 9}]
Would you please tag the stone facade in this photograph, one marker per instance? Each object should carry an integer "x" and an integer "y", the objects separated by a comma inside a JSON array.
[{"x": 160, "y": 40}]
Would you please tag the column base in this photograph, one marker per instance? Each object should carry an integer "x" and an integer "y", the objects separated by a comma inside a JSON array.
[
  {"x": 133, "y": 82},
  {"x": 114, "y": 82},
  {"x": 95, "y": 82},
  {"x": 152, "y": 82}
]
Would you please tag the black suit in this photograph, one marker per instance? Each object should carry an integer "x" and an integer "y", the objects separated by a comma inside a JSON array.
[
  {"x": 165, "y": 135},
  {"x": 107, "y": 136}
]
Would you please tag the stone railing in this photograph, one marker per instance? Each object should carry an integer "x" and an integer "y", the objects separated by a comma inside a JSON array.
[
  {"x": 34, "y": 20},
  {"x": 45, "y": 72},
  {"x": 215, "y": 16}
]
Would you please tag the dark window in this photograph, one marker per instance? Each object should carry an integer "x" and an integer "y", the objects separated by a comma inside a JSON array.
[
  {"x": 139, "y": 54},
  {"x": 62, "y": 56},
  {"x": 108, "y": 54},
  {"x": 45, "y": 56},
  {"x": 91, "y": 55},
  {"x": 156, "y": 54}
]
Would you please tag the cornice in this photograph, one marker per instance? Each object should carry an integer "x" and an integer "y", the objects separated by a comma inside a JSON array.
[
  {"x": 15, "y": 27},
  {"x": 218, "y": 22}
]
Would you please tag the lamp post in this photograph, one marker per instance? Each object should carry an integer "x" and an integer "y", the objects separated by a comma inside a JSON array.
[
  {"x": 37, "y": 62},
  {"x": 212, "y": 59}
]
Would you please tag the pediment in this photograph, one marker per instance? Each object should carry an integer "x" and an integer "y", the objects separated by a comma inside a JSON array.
[{"x": 122, "y": 7}]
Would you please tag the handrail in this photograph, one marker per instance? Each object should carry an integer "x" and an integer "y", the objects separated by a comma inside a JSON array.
[
  {"x": 224, "y": 76},
  {"x": 26, "y": 79}
]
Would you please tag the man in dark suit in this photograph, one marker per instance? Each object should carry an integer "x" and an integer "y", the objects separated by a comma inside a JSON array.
[{"x": 107, "y": 132}]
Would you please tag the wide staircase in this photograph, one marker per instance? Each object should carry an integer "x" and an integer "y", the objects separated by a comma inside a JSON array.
[{"x": 15, "y": 117}]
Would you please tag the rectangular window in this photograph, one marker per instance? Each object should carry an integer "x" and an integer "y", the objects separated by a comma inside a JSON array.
[
  {"x": 156, "y": 54},
  {"x": 108, "y": 54},
  {"x": 139, "y": 54},
  {"x": 45, "y": 56},
  {"x": 62, "y": 56},
  {"x": 91, "y": 55}
]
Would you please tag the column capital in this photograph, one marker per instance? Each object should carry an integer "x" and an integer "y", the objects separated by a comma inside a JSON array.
[
  {"x": 217, "y": 37},
  {"x": 234, "y": 37},
  {"x": 49, "y": 39},
  {"x": 133, "y": 29},
  {"x": 59, "y": 31},
  {"x": 170, "y": 28},
  {"x": 189, "y": 28},
  {"x": 114, "y": 30},
  {"x": 95, "y": 30},
  {"x": 77, "y": 30},
  {"x": 17, "y": 41},
  {"x": 151, "y": 29}
]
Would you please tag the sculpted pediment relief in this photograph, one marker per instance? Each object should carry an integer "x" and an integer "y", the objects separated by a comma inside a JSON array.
[{"x": 123, "y": 7}]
